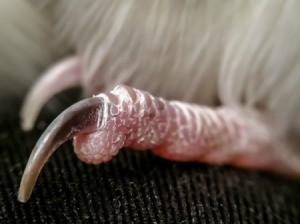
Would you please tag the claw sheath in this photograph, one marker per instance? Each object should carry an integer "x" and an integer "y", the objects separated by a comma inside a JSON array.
[{"x": 82, "y": 116}]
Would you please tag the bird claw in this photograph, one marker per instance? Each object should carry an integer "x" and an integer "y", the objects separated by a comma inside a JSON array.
[
  {"x": 80, "y": 117},
  {"x": 128, "y": 117},
  {"x": 65, "y": 74}
]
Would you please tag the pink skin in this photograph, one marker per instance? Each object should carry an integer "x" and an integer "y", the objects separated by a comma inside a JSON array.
[
  {"x": 127, "y": 117},
  {"x": 174, "y": 130}
]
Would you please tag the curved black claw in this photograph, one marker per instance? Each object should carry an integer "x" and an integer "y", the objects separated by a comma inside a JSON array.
[{"x": 80, "y": 117}]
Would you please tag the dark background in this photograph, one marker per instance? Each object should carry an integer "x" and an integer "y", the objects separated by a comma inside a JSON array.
[{"x": 134, "y": 187}]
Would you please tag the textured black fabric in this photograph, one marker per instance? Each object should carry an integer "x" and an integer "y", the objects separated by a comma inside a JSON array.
[{"x": 135, "y": 187}]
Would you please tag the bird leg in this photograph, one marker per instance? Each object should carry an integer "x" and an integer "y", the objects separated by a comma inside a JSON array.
[{"x": 127, "y": 117}]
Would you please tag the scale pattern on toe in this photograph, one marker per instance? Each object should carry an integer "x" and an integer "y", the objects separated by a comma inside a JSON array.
[{"x": 176, "y": 131}]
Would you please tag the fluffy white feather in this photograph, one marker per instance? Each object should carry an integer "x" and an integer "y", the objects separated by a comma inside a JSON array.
[
  {"x": 208, "y": 52},
  {"x": 25, "y": 45},
  {"x": 201, "y": 51}
]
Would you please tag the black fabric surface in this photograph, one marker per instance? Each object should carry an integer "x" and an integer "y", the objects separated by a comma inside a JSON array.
[{"x": 135, "y": 187}]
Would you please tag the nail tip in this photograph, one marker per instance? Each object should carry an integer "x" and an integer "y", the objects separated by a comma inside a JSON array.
[
  {"x": 22, "y": 198},
  {"x": 27, "y": 118},
  {"x": 26, "y": 128}
]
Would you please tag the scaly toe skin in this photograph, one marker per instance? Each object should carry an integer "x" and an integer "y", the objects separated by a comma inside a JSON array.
[
  {"x": 128, "y": 117},
  {"x": 63, "y": 75},
  {"x": 97, "y": 147}
]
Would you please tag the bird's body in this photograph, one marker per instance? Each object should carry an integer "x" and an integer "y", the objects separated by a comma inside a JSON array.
[
  {"x": 205, "y": 52},
  {"x": 234, "y": 54}
]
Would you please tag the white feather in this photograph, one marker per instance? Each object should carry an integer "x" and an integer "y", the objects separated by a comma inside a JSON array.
[
  {"x": 232, "y": 52},
  {"x": 241, "y": 52},
  {"x": 25, "y": 46}
]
